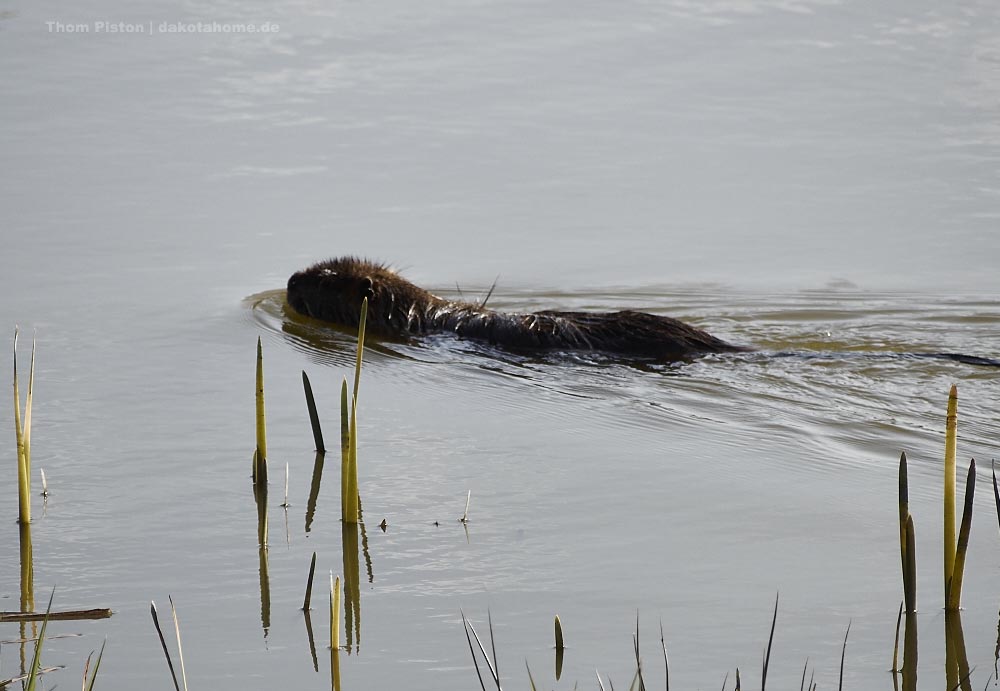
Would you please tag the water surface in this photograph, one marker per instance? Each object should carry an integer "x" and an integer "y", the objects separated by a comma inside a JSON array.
[{"x": 813, "y": 178}]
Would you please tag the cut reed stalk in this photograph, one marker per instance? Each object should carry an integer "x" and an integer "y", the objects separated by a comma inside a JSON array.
[
  {"x": 950, "y": 473},
  {"x": 22, "y": 432},
  {"x": 313, "y": 414},
  {"x": 955, "y": 589}
]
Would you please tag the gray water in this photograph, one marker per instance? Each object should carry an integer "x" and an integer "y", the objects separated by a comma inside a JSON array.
[{"x": 809, "y": 177}]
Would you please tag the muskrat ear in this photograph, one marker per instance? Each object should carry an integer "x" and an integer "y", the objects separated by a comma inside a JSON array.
[{"x": 366, "y": 288}]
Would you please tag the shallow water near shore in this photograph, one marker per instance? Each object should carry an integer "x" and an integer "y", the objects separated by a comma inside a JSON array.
[{"x": 814, "y": 180}]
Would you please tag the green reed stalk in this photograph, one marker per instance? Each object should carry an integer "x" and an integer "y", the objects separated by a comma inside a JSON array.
[
  {"x": 352, "y": 469},
  {"x": 349, "y": 432},
  {"x": 89, "y": 679},
  {"x": 260, "y": 456},
  {"x": 36, "y": 659},
  {"x": 950, "y": 472},
  {"x": 361, "y": 346},
  {"x": 955, "y": 589}
]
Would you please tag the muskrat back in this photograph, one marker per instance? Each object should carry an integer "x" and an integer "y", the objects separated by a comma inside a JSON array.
[{"x": 333, "y": 290}]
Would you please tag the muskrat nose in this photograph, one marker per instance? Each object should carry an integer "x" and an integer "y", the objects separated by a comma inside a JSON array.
[{"x": 293, "y": 282}]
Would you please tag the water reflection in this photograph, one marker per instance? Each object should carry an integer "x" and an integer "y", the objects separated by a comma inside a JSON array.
[
  {"x": 352, "y": 586},
  {"x": 27, "y": 590},
  {"x": 260, "y": 497},
  {"x": 317, "y": 478}
]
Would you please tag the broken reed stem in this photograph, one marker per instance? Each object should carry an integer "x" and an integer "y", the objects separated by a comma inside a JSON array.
[
  {"x": 955, "y": 589},
  {"x": 23, "y": 436},
  {"x": 313, "y": 414},
  {"x": 950, "y": 472}
]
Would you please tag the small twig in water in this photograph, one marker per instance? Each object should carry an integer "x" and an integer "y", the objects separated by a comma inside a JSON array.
[{"x": 465, "y": 516}]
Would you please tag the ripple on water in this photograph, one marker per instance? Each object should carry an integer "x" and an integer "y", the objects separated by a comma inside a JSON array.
[{"x": 833, "y": 379}]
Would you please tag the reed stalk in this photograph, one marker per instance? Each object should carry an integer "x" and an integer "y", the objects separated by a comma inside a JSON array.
[
  {"x": 345, "y": 449},
  {"x": 313, "y": 414},
  {"x": 361, "y": 346},
  {"x": 950, "y": 473},
  {"x": 260, "y": 453},
  {"x": 334, "y": 612},
  {"x": 309, "y": 584},
  {"x": 351, "y": 515},
  {"x": 955, "y": 589},
  {"x": 560, "y": 648},
  {"x": 22, "y": 432},
  {"x": 89, "y": 679},
  {"x": 910, "y": 568}
]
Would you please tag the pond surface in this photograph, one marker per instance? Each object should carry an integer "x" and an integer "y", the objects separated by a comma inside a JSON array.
[{"x": 815, "y": 179}]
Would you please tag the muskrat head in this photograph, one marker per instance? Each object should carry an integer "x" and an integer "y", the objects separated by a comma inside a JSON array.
[{"x": 333, "y": 290}]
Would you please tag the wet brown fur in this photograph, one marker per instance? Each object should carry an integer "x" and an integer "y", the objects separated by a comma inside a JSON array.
[{"x": 332, "y": 291}]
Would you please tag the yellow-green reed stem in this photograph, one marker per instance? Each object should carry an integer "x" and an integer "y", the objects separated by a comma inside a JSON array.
[
  {"x": 23, "y": 437},
  {"x": 955, "y": 591},
  {"x": 361, "y": 346},
  {"x": 352, "y": 469},
  {"x": 559, "y": 633},
  {"x": 261, "y": 458},
  {"x": 345, "y": 449},
  {"x": 334, "y": 612},
  {"x": 950, "y": 443}
]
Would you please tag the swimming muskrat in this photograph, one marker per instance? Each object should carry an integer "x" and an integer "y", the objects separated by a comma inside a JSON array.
[{"x": 332, "y": 291}]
